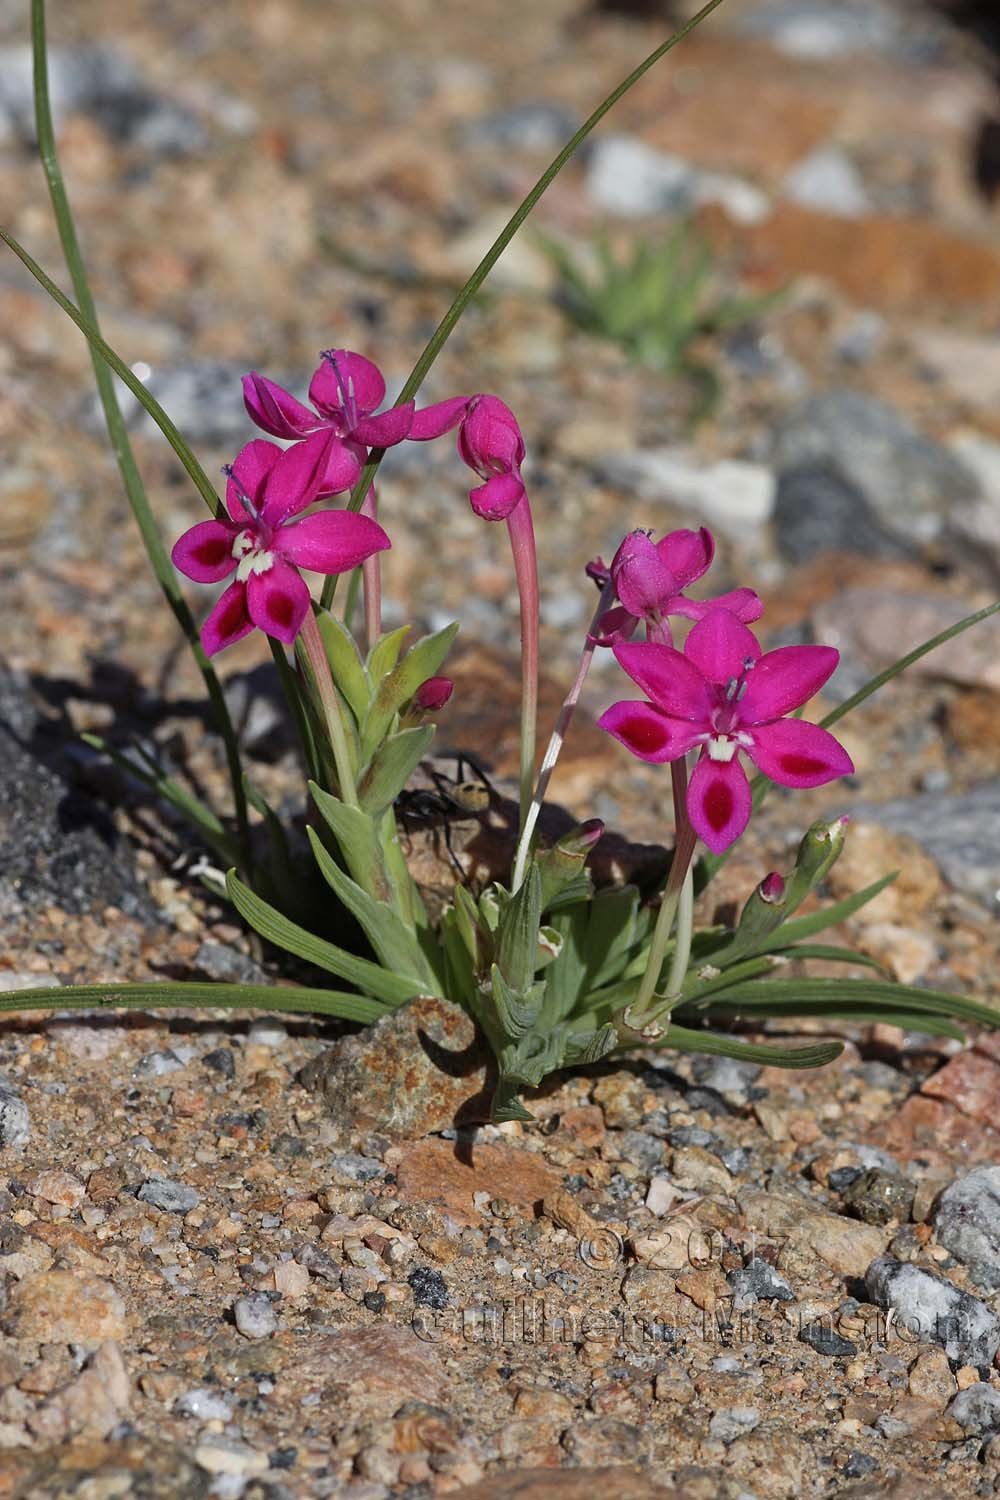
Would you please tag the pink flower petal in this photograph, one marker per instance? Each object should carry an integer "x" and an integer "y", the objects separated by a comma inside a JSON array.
[
  {"x": 720, "y": 645},
  {"x": 718, "y": 802},
  {"x": 205, "y": 553},
  {"x": 743, "y": 603},
  {"x": 228, "y": 622},
  {"x": 343, "y": 466},
  {"x": 643, "y": 581},
  {"x": 441, "y": 417},
  {"x": 665, "y": 675},
  {"x": 251, "y": 467},
  {"x": 614, "y": 627},
  {"x": 494, "y": 500},
  {"x": 688, "y": 554},
  {"x": 489, "y": 439},
  {"x": 277, "y": 601},
  {"x": 784, "y": 679},
  {"x": 272, "y": 407},
  {"x": 352, "y": 390},
  {"x": 296, "y": 476},
  {"x": 387, "y": 429},
  {"x": 647, "y": 732},
  {"x": 332, "y": 541},
  {"x": 796, "y": 753}
]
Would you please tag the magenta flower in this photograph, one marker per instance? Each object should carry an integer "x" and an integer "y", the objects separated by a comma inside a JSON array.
[
  {"x": 433, "y": 694},
  {"x": 650, "y": 579},
  {"x": 721, "y": 694},
  {"x": 266, "y": 547},
  {"x": 489, "y": 441},
  {"x": 345, "y": 392}
]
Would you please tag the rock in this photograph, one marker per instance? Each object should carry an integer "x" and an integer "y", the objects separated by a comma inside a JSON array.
[
  {"x": 93, "y": 1404},
  {"x": 439, "y": 1172},
  {"x": 128, "y": 1469},
  {"x": 910, "y": 482},
  {"x": 429, "y": 1287},
  {"x": 412, "y": 1073},
  {"x": 758, "y": 1281},
  {"x": 828, "y": 180},
  {"x": 820, "y": 30},
  {"x": 878, "y": 1196},
  {"x": 221, "y": 1061},
  {"x": 826, "y": 1340},
  {"x": 870, "y": 851},
  {"x": 57, "y": 846},
  {"x": 817, "y": 510},
  {"x": 255, "y": 1316},
  {"x": 56, "y": 1186},
  {"x": 967, "y": 1222},
  {"x": 627, "y": 177},
  {"x": 571, "y": 1484},
  {"x": 934, "y": 1309},
  {"x": 730, "y": 495},
  {"x": 387, "y": 1362},
  {"x": 532, "y": 127},
  {"x": 931, "y": 1377},
  {"x": 60, "y": 1307},
  {"x": 847, "y": 1246},
  {"x": 169, "y": 1197},
  {"x": 220, "y": 1455},
  {"x": 881, "y": 624},
  {"x": 977, "y": 1408},
  {"x": 970, "y": 367},
  {"x": 228, "y": 965},
  {"x": 204, "y": 1404},
  {"x": 15, "y": 1121},
  {"x": 957, "y": 830},
  {"x": 733, "y": 1422},
  {"x": 202, "y": 397},
  {"x": 101, "y": 82},
  {"x": 971, "y": 1082}
]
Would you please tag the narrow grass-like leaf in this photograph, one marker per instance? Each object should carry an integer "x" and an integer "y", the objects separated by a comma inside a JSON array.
[
  {"x": 762, "y": 993},
  {"x": 817, "y": 1055},
  {"x": 172, "y": 791},
  {"x": 164, "y": 995},
  {"x": 860, "y": 1013},
  {"x": 392, "y": 989},
  {"x": 357, "y": 839},
  {"x": 829, "y": 953},
  {"x": 462, "y": 299}
]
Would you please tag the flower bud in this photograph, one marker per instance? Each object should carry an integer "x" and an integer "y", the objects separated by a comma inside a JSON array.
[
  {"x": 772, "y": 888},
  {"x": 433, "y": 694}
]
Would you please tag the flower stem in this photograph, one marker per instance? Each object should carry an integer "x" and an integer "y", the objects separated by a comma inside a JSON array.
[
  {"x": 371, "y": 573},
  {"x": 678, "y": 901},
  {"x": 522, "y": 545},
  {"x": 558, "y": 738},
  {"x": 310, "y": 643}
]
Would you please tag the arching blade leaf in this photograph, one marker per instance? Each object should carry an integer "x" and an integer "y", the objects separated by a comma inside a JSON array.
[
  {"x": 168, "y": 995},
  {"x": 816, "y": 1055}
]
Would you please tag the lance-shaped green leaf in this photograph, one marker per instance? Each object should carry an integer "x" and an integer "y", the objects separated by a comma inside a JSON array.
[
  {"x": 171, "y": 996},
  {"x": 612, "y": 931},
  {"x": 828, "y": 953},
  {"x": 816, "y": 1055},
  {"x": 391, "y": 767},
  {"x": 395, "y": 944},
  {"x": 384, "y": 655},
  {"x": 421, "y": 661},
  {"x": 584, "y": 1048},
  {"x": 517, "y": 938},
  {"x": 564, "y": 862},
  {"x": 346, "y": 666},
  {"x": 393, "y": 989},
  {"x": 516, "y": 1010},
  {"x": 764, "y": 911},
  {"x": 357, "y": 837},
  {"x": 506, "y": 1103},
  {"x": 718, "y": 1012}
]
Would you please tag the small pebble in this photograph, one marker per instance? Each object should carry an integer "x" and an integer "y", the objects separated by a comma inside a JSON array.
[
  {"x": 826, "y": 1340},
  {"x": 204, "y": 1405},
  {"x": 15, "y": 1122},
  {"x": 221, "y": 1061},
  {"x": 255, "y": 1316},
  {"x": 169, "y": 1197},
  {"x": 429, "y": 1287}
]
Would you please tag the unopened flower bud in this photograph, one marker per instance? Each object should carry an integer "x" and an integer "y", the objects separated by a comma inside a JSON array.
[
  {"x": 772, "y": 888},
  {"x": 433, "y": 694}
]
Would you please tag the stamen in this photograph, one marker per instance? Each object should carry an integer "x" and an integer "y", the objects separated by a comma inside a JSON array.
[
  {"x": 748, "y": 663},
  {"x": 241, "y": 493},
  {"x": 732, "y": 689}
]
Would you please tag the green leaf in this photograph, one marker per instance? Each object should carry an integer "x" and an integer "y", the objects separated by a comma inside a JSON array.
[
  {"x": 357, "y": 838},
  {"x": 393, "y": 989},
  {"x": 826, "y": 916},
  {"x": 391, "y": 767},
  {"x": 817, "y": 1055},
  {"x": 396, "y": 946},
  {"x": 173, "y": 792},
  {"x": 384, "y": 655},
  {"x": 828, "y": 953},
  {"x": 421, "y": 661},
  {"x": 763, "y": 993},
  {"x": 164, "y": 995},
  {"x": 346, "y": 666},
  {"x": 517, "y": 938},
  {"x": 516, "y": 1011},
  {"x": 717, "y": 1012}
]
